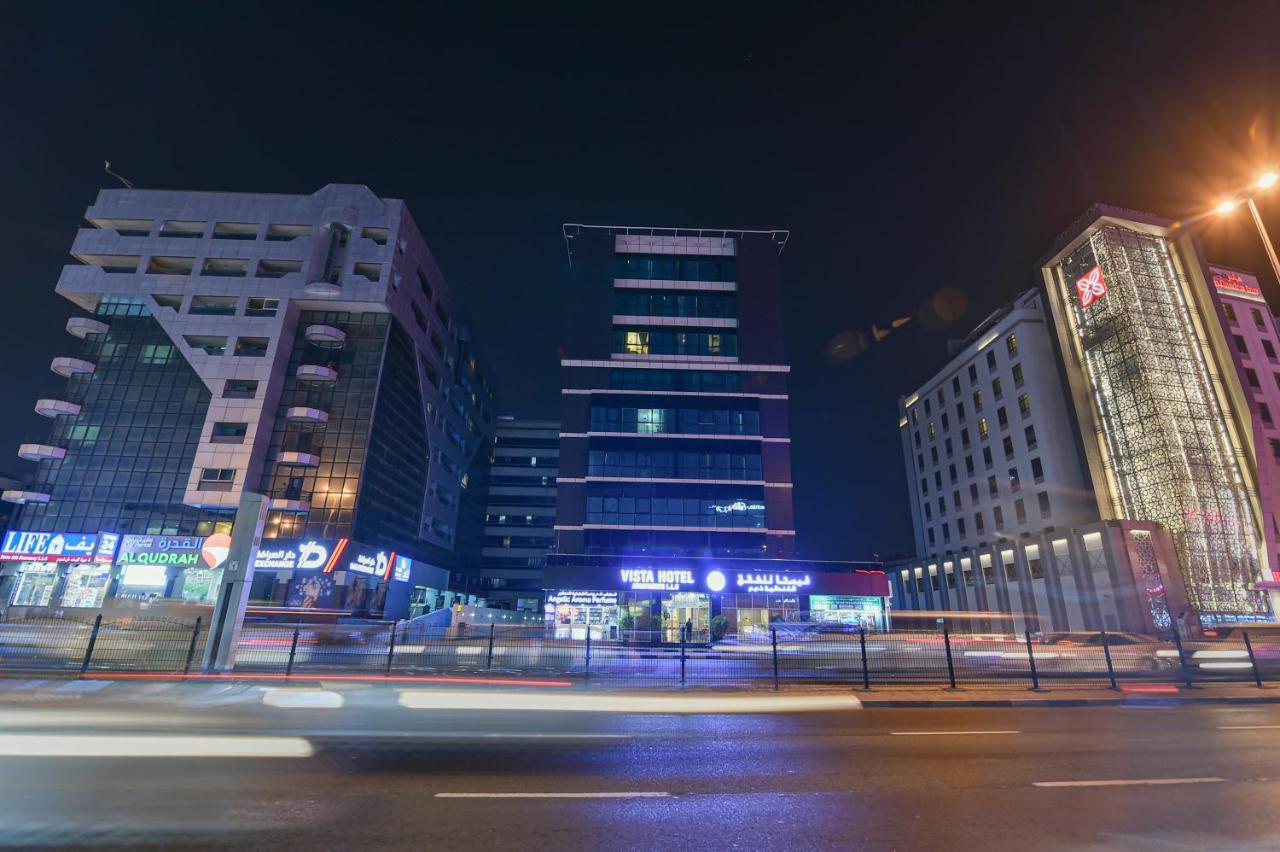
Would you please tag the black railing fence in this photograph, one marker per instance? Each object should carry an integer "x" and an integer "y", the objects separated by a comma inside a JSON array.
[{"x": 785, "y": 653}]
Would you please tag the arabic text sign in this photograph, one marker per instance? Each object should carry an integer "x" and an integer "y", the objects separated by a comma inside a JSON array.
[
  {"x": 772, "y": 582},
  {"x": 308, "y": 555},
  {"x": 180, "y": 550},
  {"x": 22, "y": 546}
]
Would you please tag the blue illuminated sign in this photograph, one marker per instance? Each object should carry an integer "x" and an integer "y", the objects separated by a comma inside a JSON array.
[{"x": 23, "y": 546}]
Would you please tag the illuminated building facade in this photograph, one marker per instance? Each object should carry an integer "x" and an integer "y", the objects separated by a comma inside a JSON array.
[
  {"x": 1162, "y": 418},
  {"x": 302, "y": 346},
  {"x": 1254, "y": 343}
]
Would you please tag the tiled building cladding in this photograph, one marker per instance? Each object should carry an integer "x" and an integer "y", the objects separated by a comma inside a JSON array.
[
  {"x": 373, "y": 438},
  {"x": 632, "y": 477}
]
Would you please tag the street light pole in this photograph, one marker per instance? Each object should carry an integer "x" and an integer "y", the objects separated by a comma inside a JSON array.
[{"x": 1266, "y": 240}]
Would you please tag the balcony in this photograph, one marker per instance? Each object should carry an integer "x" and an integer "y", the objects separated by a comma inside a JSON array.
[
  {"x": 82, "y": 326},
  {"x": 316, "y": 373},
  {"x": 282, "y": 504},
  {"x": 292, "y": 458},
  {"x": 17, "y": 495},
  {"x": 326, "y": 336},
  {"x": 68, "y": 367},
  {"x": 303, "y": 414},
  {"x": 56, "y": 408},
  {"x": 40, "y": 452}
]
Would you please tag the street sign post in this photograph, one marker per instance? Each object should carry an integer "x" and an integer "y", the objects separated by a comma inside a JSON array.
[{"x": 237, "y": 577}]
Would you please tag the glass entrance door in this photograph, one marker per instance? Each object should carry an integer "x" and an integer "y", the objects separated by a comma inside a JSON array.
[{"x": 682, "y": 611}]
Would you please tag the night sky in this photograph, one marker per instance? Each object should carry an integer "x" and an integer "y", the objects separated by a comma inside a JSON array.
[{"x": 911, "y": 154}]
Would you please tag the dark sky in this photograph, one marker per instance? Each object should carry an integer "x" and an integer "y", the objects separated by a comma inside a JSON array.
[{"x": 907, "y": 153}]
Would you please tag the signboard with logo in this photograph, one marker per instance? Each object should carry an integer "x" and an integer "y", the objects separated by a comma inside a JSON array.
[
  {"x": 581, "y": 598},
  {"x": 771, "y": 582},
  {"x": 181, "y": 551},
  {"x": 1237, "y": 284},
  {"x": 717, "y": 576},
  {"x": 23, "y": 546},
  {"x": 1091, "y": 287},
  {"x": 301, "y": 555},
  {"x": 329, "y": 556},
  {"x": 657, "y": 579}
]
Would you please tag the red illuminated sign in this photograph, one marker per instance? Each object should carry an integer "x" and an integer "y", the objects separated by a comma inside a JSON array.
[
  {"x": 1091, "y": 287},
  {"x": 1231, "y": 281}
]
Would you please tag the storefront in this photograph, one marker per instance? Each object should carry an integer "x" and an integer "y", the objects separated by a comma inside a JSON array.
[
  {"x": 57, "y": 569},
  {"x": 661, "y": 599}
]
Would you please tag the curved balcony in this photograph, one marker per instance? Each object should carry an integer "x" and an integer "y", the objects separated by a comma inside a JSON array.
[
  {"x": 323, "y": 289},
  {"x": 291, "y": 458},
  {"x": 56, "y": 407},
  {"x": 326, "y": 336},
  {"x": 281, "y": 504},
  {"x": 40, "y": 452},
  {"x": 17, "y": 495},
  {"x": 83, "y": 326},
  {"x": 68, "y": 367},
  {"x": 303, "y": 414},
  {"x": 316, "y": 373}
]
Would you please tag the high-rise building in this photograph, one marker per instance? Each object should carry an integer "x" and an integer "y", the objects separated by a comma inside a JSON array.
[
  {"x": 675, "y": 436},
  {"x": 1163, "y": 420},
  {"x": 301, "y": 346},
  {"x": 673, "y": 507},
  {"x": 1254, "y": 346},
  {"x": 521, "y": 512},
  {"x": 1004, "y": 516}
]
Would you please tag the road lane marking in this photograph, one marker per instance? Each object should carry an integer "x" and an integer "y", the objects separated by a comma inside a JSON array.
[
  {"x": 1248, "y": 727},
  {"x": 949, "y": 733},
  {"x": 1128, "y": 782},
  {"x": 110, "y": 745},
  {"x": 633, "y": 795}
]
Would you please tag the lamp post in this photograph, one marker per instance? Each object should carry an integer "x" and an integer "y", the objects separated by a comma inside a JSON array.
[{"x": 1265, "y": 182}]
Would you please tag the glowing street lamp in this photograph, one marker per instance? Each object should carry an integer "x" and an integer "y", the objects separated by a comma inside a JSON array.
[{"x": 1267, "y": 181}]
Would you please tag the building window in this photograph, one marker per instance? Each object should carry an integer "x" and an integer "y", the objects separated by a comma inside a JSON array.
[
  {"x": 637, "y": 343},
  {"x": 1011, "y": 343},
  {"x": 973, "y": 492},
  {"x": 946, "y": 532},
  {"x": 947, "y": 444},
  {"x": 973, "y": 373},
  {"x": 933, "y": 433},
  {"x": 960, "y": 411},
  {"x": 1015, "y": 484},
  {"x": 924, "y": 486},
  {"x": 977, "y": 522},
  {"x": 997, "y": 388},
  {"x": 933, "y": 454},
  {"x": 997, "y": 516},
  {"x": 261, "y": 306},
  {"x": 946, "y": 424},
  {"x": 1043, "y": 498},
  {"x": 277, "y": 268},
  {"x": 155, "y": 355},
  {"x": 1265, "y": 413},
  {"x": 942, "y": 505},
  {"x": 964, "y": 438},
  {"x": 229, "y": 433},
  {"x": 1241, "y": 346},
  {"x": 217, "y": 478},
  {"x": 968, "y": 465},
  {"x": 1008, "y": 447},
  {"x": 1229, "y": 311},
  {"x": 928, "y": 408},
  {"x": 252, "y": 347},
  {"x": 919, "y": 460},
  {"x": 1017, "y": 375},
  {"x": 955, "y": 385},
  {"x": 1024, "y": 404},
  {"x": 424, "y": 285},
  {"x": 209, "y": 345},
  {"x": 942, "y": 397},
  {"x": 917, "y": 436},
  {"x": 982, "y": 427},
  {"x": 960, "y": 527},
  {"x": 1002, "y": 417},
  {"x": 214, "y": 306},
  {"x": 977, "y": 400},
  {"x": 1269, "y": 349},
  {"x": 937, "y": 478},
  {"x": 1030, "y": 433},
  {"x": 993, "y": 486},
  {"x": 956, "y": 505},
  {"x": 1020, "y": 511},
  {"x": 928, "y": 512},
  {"x": 986, "y": 458},
  {"x": 932, "y": 540},
  {"x": 1275, "y": 448},
  {"x": 1037, "y": 470},
  {"x": 240, "y": 389},
  {"x": 951, "y": 469},
  {"x": 1252, "y": 377},
  {"x": 991, "y": 359},
  {"x": 1257, "y": 318}
]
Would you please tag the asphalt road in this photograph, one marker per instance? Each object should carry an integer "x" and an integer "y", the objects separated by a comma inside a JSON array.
[{"x": 420, "y": 767}]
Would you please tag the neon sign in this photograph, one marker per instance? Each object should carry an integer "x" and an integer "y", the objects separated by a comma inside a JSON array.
[
  {"x": 1232, "y": 281},
  {"x": 1091, "y": 287},
  {"x": 773, "y": 583},
  {"x": 642, "y": 579},
  {"x": 21, "y": 546}
]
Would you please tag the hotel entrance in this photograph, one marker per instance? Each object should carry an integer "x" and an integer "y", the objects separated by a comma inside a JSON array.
[{"x": 680, "y": 608}]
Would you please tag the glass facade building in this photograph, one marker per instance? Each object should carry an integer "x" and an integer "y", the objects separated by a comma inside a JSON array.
[
  {"x": 1163, "y": 419},
  {"x": 304, "y": 347}
]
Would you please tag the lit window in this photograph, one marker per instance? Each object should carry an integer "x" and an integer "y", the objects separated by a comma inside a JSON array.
[
  {"x": 933, "y": 433},
  {"x": 982, "y": 427},
  {"x": 638, "y": 342},
  {"x": 1011, "y": 343},
  {"x": 156, "y": 355},
  {"x": 1024, "y": 405}
]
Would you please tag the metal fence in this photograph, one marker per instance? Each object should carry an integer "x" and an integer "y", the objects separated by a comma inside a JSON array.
[{"x": 782, "y": 653}]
